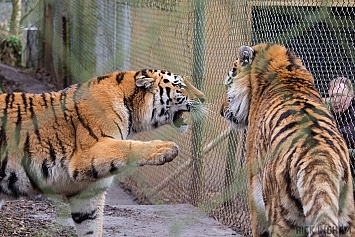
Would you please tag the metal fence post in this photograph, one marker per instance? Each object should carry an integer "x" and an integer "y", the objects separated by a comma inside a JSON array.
[{"x": 198, "y": 77}]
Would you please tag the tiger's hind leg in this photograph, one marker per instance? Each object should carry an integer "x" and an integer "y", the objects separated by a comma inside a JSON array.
[
  {"x": 108, "y": 155},
  {"x": 87, "y": 208}
]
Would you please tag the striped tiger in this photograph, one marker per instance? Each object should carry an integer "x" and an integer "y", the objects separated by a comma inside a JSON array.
[
  {"x": 298, "y": 171},
  {"x": 73, "y": 141}
]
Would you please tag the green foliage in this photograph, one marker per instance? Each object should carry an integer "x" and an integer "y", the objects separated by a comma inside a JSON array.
[{"x": 10, "y": 50}]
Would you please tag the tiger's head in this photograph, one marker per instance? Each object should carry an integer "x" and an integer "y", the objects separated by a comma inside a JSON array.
[
  {"x": 258, "y": 72},
  {"x": 235, "y": 107},
  {"x": 169, "y": 95}
]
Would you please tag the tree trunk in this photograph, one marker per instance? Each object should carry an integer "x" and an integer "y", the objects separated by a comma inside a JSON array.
[{"x": 15, "y": 17}]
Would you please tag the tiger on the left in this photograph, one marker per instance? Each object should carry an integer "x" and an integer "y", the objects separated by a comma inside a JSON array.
[{"x": 73, "y": 141}]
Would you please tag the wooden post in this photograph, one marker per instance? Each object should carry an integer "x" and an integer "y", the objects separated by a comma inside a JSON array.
[
  {"x": 198, "y": 77},
  {"x": 67, "y": 79},
  {"x": 48, "y": 41}
]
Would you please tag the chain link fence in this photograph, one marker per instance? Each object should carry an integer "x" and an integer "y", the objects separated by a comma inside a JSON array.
[{"x": 197, "y": 39}]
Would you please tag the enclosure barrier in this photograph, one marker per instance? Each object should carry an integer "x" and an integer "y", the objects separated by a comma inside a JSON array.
[{"x": 197, "y": 39}]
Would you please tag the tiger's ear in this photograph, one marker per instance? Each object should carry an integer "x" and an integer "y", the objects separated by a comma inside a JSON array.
[
  {"x": 144, "y": 81},
  {"x": 245, "y": 55}
]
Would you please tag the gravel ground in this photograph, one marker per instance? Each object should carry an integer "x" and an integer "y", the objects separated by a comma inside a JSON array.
[{"x": 32, "y": 218}]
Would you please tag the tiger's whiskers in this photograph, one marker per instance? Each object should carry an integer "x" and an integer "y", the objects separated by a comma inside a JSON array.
[{"x": 201, "y": 111}]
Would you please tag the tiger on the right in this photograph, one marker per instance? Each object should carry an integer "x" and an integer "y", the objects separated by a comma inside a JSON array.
[{"x": 298, "y": 168}]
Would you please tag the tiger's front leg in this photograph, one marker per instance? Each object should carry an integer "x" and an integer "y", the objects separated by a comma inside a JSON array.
[
  {"x": 87, "y": 208},
  {"x": 108, "y": 155}
]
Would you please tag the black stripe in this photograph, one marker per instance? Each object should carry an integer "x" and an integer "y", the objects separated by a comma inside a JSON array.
[
  {"x": 136, "y": 74},
  {"x": 105, "y": 135},
  {"x": 288, "y": 180},
  {"x": 52, "y": 153},
  {"x": 26, "y": 163},
  {"x": 26, "y": 147},
  {"x": 12, "y": 185},
  {"x": 44, "y": 99},
  {"x": 7, "y": 100},
  {"x": 18, "y": 125},
  {"x": 283, "y": 130},
  {"x": 23, "y": 95},
  {"x": 79, "y": 217},
  {"x": 153, "y": 113},
  {"x": 51, "y": 98},
  {"x": 119, "y": 129},
  {"x": 168, "y": 90},
  {"x": 12, "y": 100},
  {"x": 119, "y": 77},
  {"x": 45, "y": 168},
  {"x": 60, "y": 144},
  {"x": 75, "y": 174},
  {"x": 74, "y": 128},
  {"x": 129, "y": 105},
  {"x": 3, "y": 136},
  {"x": 33, "y": 182},
  {"x": 85, "y": 125},
  {"x": 34, "y": 120},
  {"x": 63, "y": 102},
  {"x": 53, "y": 110},
  {"x": 100, "y": 78},
  {"x": 161, "y": 92},
  {"x": 113, "y": 167},
  {"x": 162, "y": 112},
  {"x": 94, "y": 172},
  {"x": 283, "y": 115},
  {"x": 19, "y": 117},
  {"x": 77, "y": 97},
  {"x": 144, "y": 72},
  {"x": 180, "y": 100},
  {"x": 3, "y": 164}
]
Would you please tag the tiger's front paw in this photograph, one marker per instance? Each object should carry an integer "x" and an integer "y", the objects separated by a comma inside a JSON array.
[{"x": 161, "y": 152}]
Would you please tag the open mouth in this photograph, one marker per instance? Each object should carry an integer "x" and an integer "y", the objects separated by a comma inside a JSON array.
[{"x": 178, "y": 120}]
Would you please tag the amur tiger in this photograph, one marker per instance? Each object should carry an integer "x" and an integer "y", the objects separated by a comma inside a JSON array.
[
  {"x": 298, "y": 169},
  {"x": 73, "y": 141}
]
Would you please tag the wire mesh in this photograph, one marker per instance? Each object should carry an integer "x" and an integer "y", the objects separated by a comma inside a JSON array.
[
  {"x": 197, "y": 39},
  {"x": 5, "y": 14}
]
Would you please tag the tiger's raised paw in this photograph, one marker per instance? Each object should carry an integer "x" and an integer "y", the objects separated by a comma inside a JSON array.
[{"x": 161, "y": 153}]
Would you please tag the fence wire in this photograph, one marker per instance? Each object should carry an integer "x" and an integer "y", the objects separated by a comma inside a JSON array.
[{"x": 197, "y": 39}]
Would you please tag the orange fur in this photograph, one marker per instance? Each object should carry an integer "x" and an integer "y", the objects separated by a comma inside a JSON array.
[
  {"x": 299, "y": 176},
  {"x": 73, "y": 141}
]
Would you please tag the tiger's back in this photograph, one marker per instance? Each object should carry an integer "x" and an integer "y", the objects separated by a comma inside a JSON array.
[{"x": 298, "y": 166}]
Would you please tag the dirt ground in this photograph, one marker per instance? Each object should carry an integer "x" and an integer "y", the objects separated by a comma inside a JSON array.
[{"x": 123, "y": 216}]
